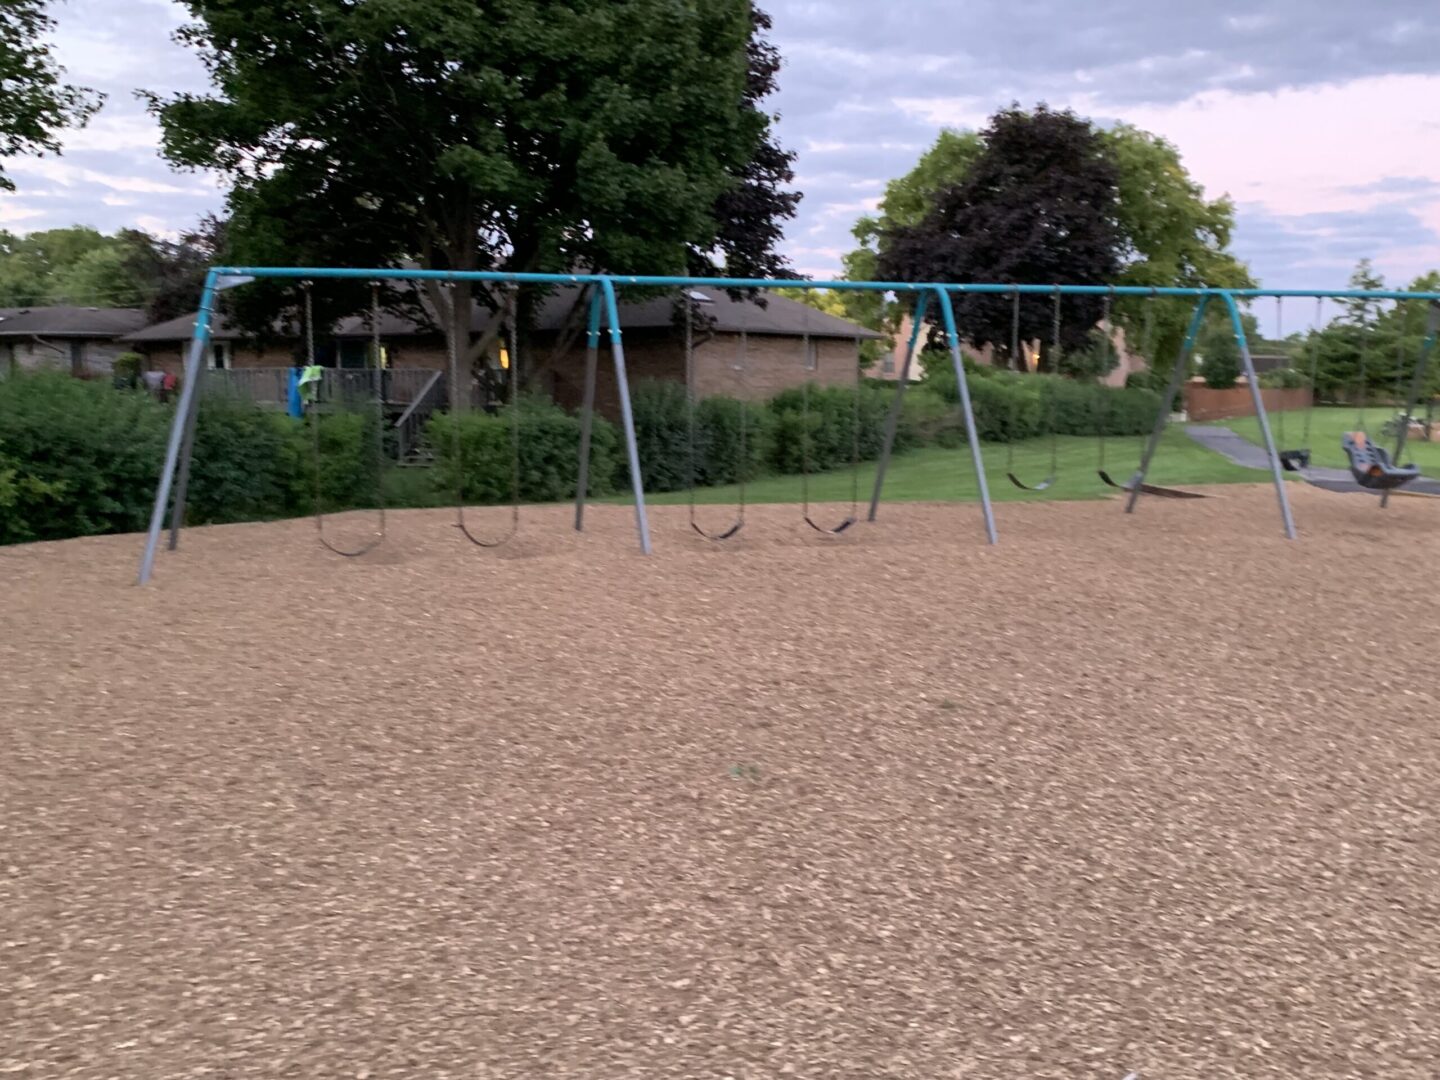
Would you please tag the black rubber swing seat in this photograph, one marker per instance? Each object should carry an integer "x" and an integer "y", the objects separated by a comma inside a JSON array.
[
  {"x": 1041, "y": 486},
  {"x": 836, "y": 531},
  {"x": 1371, "y": 465},
  {"x": 726, "y": 535},
  {"x": 1150, "y": 489},
  {"x": 1295, "y": 460}
]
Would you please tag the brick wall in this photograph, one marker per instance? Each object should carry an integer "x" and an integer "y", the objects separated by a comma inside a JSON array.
[
  {"x": 771, "y": 363},
  {"x": 1202, "y": 403}
]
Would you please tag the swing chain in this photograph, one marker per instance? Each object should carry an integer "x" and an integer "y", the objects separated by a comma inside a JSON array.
[
  {"x": 314, "y": 416},
  {"x": 1101, "y": 401}
]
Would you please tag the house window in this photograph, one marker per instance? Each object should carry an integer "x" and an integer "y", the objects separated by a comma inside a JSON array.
[
  {"x": 221, "y": 355},
  {"x": 812, "y": 355},
  {"x": 887, "y": 366},
  {"x": 353, "y": 354}
]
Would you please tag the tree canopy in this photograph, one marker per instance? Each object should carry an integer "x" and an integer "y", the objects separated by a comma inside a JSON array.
[
  {"x": 1381, "y": 340},
  {"x": 518, "y": 135},
  {"x": 36, "y": 102},
  {"x": 1037, "y": 204},
  {"x": 82, "y": 266},
  {"x": 1170, "y": 234}
]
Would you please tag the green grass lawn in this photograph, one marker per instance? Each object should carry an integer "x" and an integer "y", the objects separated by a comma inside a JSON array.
[
  {"x": 936, "y": 475},
  {"x": 1327, "y": 425}
]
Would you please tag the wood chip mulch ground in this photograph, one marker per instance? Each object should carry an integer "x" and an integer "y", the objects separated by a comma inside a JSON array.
[{"x": 1152, "y": 793}]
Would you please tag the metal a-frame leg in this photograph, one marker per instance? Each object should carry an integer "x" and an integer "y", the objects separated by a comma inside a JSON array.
[
  {"x": 188, "y": 392},
  {"x": 892, "y": 421},
  {"x": 632, "y": 449},
  {"x": 1163, "y": 416},
  {"x": 1277, "y": 471},
  {"x": 947, "y": 310}
]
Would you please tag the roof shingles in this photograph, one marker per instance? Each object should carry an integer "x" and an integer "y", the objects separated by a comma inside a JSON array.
[{"x": 779, "y": 316}]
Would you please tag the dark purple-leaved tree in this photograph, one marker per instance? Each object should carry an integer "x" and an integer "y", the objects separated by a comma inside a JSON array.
[{"x": 1039, "y": 205}]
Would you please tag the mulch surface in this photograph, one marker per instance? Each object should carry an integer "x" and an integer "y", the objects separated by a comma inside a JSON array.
[{"x": 1152, "y": 793}]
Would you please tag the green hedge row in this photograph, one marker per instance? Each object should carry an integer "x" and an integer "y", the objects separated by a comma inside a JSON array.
[
  {"x": 1009, "y": 406},
  {"x": 80, "y": 458}
]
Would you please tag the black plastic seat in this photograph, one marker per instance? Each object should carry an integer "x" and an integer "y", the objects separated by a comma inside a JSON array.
[
  {"x": 1371, "y": 465},
  {"x": 1295, "y": 460}
]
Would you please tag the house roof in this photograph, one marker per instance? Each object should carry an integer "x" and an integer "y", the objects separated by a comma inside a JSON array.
[
  {"x": 70, "y": 322},
  {"x": 779, "y": 316}
]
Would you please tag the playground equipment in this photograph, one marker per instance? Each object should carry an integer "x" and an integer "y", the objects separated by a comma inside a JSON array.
[
  {"x": 459, "y": 392},
  {"x": 854, "y": 514},
  {"x": 170, "y": 495},
  {"x": 1371, "y": 466},
  {"x": 1147, "y": 349},
  {"x": 379, "y": 422},
  {"x": 742, "y": 459},
  {"x": 1054, "y": 473}
]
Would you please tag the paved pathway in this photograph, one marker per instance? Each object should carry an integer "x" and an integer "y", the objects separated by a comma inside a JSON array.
[{"x": 1245, "y": 453}]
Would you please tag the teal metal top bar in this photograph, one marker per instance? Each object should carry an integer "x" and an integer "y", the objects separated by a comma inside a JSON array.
[{"x": 660, "y": 281}]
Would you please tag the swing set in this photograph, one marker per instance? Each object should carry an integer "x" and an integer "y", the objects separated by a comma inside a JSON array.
[{"x": 1372, "y": 466}]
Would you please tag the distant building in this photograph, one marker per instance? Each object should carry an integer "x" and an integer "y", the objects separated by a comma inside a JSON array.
[
  {"x": 742, "y": 349},
  {"x": 81, "y": 340}
]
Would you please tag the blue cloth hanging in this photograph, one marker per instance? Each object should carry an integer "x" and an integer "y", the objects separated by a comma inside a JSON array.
[{"x": 293, "y": 405}]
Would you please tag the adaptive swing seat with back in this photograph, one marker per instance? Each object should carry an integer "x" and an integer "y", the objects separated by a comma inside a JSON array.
[{"x": 1371, "y": 466}]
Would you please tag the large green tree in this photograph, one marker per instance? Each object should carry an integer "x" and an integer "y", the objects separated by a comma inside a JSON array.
[
  {"x": 1037, "y": 205},
  {"x": 1369, "y": 349},
  {"x": 1172, "y": 234},
  {"x": 35, "y": 101},
  {"x": 49, "y": 266},
  {"x": 523, "y": 135},
  {"x": 81, "y": 265}
]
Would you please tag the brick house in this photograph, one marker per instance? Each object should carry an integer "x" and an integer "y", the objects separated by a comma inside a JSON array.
[
  {"x": 81, "y": 340},
  {"x": 742, "y": 349}
]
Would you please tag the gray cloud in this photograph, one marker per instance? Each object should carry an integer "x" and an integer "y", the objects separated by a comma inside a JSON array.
[
  {"x": 847, "y": 64},
  {"x": 849, "y": 61}
]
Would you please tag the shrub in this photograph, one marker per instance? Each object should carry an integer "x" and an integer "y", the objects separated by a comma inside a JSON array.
[
  {"x": 474, "y": 456},
  {"x": 1007, "y": 409},
  {"x": 662, "y": 433},
  {"x": 1156, "y": 382},
  {"x": 1221, "y": 365},
  {"x": 831, "y": 423},
  {"x": 927, "y": 419},
  {"x": 1284, "y": 379},
  {"x": 126, "y": 368},
  {"x": 81, "y": 457},
  {"x": 350, "y": 461},
  {"x": 722, "y": 426},
  {"x": 248, "y": 464},
  {"x": 24, "y": 497},
  {"x": 1092, "y": 409}
]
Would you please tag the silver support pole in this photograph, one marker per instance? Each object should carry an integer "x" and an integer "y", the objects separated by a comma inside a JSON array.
[
  {"x": 1277, "y": 471},
  {"x": 182, "y": 481},
  {"x": 1163, "y": 416},
  {"x": 632, "y": 449},
  {"x": 971, "y": 435},
  {"x": 177, "y": 429},
  {"x": 1417, "y": 383},
  {"x": 892, "y": 421},
  {"x": 587, "y": 409}
]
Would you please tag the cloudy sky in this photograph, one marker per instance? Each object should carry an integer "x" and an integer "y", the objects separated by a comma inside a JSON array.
[{"x": 1321, "y": 118}]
